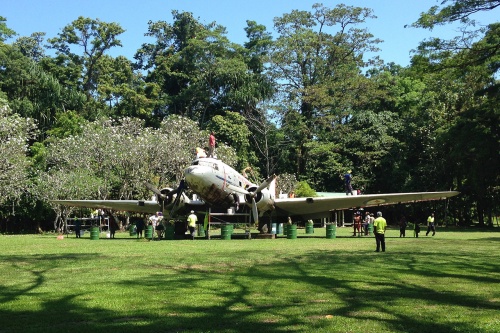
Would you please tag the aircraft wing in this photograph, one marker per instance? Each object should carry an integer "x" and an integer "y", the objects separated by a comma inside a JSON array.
[
  {"x": 139, "y": 206},
  {"x": 318, "y": 205}
]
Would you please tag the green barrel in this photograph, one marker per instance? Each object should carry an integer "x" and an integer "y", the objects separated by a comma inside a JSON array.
[
  {"x": 225, "y": 231},
  {"x": 94, "y": 233},
  {"x": 370, "y": 229},
  {"x": 331, "y": 230},
  {"x": 292, "y": 232},
  {"x": 285, "y": 229},
  {"x": 169, "y": 231},
  {"x": 131, "y": 230},
  {"x": 309, "y": 229},
  {"x": 148, "y": 233},
  {"x": 201, "y": 230}
]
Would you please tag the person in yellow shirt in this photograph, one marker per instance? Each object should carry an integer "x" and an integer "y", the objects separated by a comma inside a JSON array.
[
  {"x": 379, "y": 226},
  {"x": 430, "y": 225},
  {"x": 191, "y": 220}
]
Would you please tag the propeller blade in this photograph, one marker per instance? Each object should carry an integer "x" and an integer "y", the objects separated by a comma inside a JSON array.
[
  {"x": 262, "y": 186},
  {"x": 152, "y": 188},
  {"x": 179, "y": 191},
  {"x": 265, "y": 183},
  {"x": 255, "y": 212}
]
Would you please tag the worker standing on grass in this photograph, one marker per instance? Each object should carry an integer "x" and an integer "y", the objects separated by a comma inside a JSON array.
[
  {"x": 78, "y": 228},
  {"x": 191, "y": 220},
  {"x": 430, "y": 225},
  {"x": 379, "y": 226},
  {"x": 357, "y": 223},
  {"x": 416, "y": 229}
]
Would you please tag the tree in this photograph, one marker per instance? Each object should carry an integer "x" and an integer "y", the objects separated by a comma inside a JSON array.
[
  {"x": 183, "y": 63},
  {"x": 174, "y": 146},
  {"x": 197, "y": 72},
  {"x": 31, "y": 46},
  {"x": 267, "y": 139},
  {"x": 95, "y": 38},
  {"x": 32, "y": 91},
  {"x": 15, "y": 132},
  {"x": 63, "y": 184},
  {"x": 67, "y": 124},
  {"x": 470, "y": 64},
  {"x": 304, "y": 190},
  {"x": 258, "y": 91},
  {"x": 318, "y": 70},
  {"x": 399, "y": 134},
  {"x": 110, "y": 150},
  {"x": 124, "y": 90},
  {"x": 456, "y": 11},
  {"x": 5, "y": 32},
  {"x": 286, "y": 183},
  {"x": 462, "y": 12}
]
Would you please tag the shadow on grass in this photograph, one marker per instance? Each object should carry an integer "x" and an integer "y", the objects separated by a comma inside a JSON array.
[
  {"x": 239, "y": 311},
  {"x": 293, "y": 293},
  {"x": 472, "y": 229}
]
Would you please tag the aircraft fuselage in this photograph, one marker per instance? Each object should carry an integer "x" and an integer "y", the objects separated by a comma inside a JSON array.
[{"x": 216, "y": 182}]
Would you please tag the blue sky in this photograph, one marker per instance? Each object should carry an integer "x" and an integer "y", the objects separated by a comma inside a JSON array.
[{"x": 50, "y": 16}]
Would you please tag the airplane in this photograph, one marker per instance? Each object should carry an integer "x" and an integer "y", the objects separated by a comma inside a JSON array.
[{"x": 218, "y": 186}]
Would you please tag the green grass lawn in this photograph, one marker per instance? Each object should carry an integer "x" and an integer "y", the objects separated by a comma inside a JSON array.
[{"x": 446, "y": 283}]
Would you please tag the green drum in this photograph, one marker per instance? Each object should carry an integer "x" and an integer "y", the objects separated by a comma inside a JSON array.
[
  {"x": 94, "y": 233},
  {"x": 148, "y": 233},
  {"x": 169, "y": 231},
  {"x": 309, "y": 229},
  {"x": 225, "y": 231},
  {"x": 331, "y": 230},
  {"x": 370, "y": 229},
  {"x": 292, "y": 231}
]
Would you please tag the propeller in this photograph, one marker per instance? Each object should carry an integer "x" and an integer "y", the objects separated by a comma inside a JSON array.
[
  {"x": 168, "y": 197},
  {"x": 179, "y": 190},
  {"x": 156, "y": 191},
  {"x": 161, "y": 197},
  {"x": 253, "y": 194}
]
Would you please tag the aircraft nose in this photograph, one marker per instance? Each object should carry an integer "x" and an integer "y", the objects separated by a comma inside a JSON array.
[
  {"x": 196, "y": 177},
  {"x": 192, "y": 170},
  {"x": 195, "y": 171}
]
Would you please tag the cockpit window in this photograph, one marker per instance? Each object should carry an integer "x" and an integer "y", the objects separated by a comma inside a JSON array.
[
  {"x": 195, "y": 162},
  {"x": 216, "y": 166}
]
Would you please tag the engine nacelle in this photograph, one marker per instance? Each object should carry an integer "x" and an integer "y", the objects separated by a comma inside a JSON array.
[
  {"x": 169, "y": 195},
  {"x": 263, "y": 199}
]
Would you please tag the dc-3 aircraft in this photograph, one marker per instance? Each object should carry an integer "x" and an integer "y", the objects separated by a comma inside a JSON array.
[{"x": 219, "y": 187}]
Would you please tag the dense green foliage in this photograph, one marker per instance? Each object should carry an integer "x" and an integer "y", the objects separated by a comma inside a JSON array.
[{"x": 308, "y": 103}]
